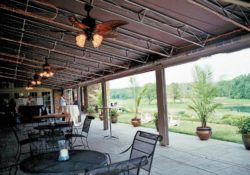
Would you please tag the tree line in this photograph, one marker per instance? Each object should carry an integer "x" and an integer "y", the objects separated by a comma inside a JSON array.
[{"x": 237, "y": 88}]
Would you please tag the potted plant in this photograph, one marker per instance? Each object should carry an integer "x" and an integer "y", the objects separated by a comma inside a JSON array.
[
  {"x": 244, "y": 130},
  {"x": 114, "y": 115},
  {"x": 155, "y": 115},
  {"x": 136, "y": 121},
  {"x": 91, "y": 111},
  {"x": 202, "y": 99}
]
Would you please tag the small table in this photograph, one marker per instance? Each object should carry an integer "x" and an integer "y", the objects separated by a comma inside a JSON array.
[
  {"x": 53, "y": 126},
  {"x": 110, "y": 122},
  {"x": 51, "y": 116},
  {"x": 80, "y": 161}
]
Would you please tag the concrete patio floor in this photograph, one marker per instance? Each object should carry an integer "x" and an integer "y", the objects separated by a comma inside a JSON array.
[{"x": 186, "y": 155}]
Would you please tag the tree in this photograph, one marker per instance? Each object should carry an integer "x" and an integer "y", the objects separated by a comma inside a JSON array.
[
  {"x": 150, "y": 93},
  {"x": 240, "y": 87},
  {"x": 175, "y": 91},
  {"x": 203, "y": 93}
]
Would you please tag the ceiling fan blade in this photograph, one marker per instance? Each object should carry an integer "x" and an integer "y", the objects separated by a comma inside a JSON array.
[
  {"x": 109, "y": 25},
  {"x": 108, "y": 34},
  {"x": 77, "y": 23}
]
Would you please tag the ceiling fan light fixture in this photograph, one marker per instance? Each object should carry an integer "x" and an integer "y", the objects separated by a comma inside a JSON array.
[
  {"x": 36, "y": 80},
  {"x": 81, "y": 39},
  {"x": 97, "y": 40},
  {"x": 28, "y": 86},
  {"x": 46, "y": 74}
]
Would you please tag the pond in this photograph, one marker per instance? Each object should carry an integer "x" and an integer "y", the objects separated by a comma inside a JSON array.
[{"x": 239, "y": 108}]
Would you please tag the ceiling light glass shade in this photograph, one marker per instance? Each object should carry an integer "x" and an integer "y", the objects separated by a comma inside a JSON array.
[
  {"x": 36, "y": 80},
  {"x": 33, "y": 82},
  {"x": 46, "y": 74},
  {"x": 97, "y": 40},
  {"x": 81, "y": 39},
  {"x": 29, "y": 87}
]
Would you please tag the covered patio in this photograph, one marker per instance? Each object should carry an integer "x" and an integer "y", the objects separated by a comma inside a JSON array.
[{"x": 48, "y": 46}]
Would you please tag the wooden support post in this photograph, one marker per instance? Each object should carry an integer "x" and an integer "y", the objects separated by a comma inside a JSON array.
[
  {"x": 85, "y": 97},
  {"x": 79, "y": 103},
  {"x": 162, "y": 106},
  {"x": 104, "y": 105}
]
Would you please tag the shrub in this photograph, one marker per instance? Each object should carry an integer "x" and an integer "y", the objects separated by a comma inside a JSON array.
[
  {"x": 230, "y": 120},
  {"x": 114, "y": 112},
  {"x": 244, "y": 126}
]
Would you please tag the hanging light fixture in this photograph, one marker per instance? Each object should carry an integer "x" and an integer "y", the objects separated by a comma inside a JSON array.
[
  {"x": 36, "y": 80},
  {"x": 47, "y": 72},
  {"x": 28, "y": 86},
  {"x": 97, "y": 40},
  {"x": 81, "y": 39}
]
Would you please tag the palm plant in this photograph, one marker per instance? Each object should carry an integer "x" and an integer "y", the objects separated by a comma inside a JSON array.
[
  {"x": 137, "y": 94},
  {"x": 203, "y": 95},
  {"x": 138, "y": 98}
]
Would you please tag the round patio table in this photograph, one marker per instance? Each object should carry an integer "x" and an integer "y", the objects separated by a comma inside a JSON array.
[{"x": 80, "y": 161}]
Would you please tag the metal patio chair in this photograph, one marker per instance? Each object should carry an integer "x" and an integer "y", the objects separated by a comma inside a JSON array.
[
  {"x": 127, "y": 167},
  {"x": 83, "y": 135},
  {"x": 144, "y": 144}
]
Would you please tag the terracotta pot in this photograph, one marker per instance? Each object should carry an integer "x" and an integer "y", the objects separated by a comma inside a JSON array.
[
  {"x": 246, "y": 140},
  {"x": 136, "y": 122},
  {"x": 114, "y": 119},
  {"x": 204, "y": 133}
]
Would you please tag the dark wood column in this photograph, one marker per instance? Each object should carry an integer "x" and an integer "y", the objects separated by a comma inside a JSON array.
[
  {"x": 105, "y": 105},
  {"x": 85, "y": 97},
  {"x": 79, "y": 103},
  {"x": 162, "y": 106}
]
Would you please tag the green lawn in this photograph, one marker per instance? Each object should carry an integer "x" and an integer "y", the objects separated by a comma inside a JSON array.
[{"x": 188, "y": 120}]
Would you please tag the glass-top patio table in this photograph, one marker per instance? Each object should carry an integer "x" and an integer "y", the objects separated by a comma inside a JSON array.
[{"x": 80, "y": 161}]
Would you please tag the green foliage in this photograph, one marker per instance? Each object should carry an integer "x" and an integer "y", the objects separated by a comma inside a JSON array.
[
  {"x": 150, "y": 93},
  {"x": 241, "y": 87},
  {"x": 137, "y": 93},
  {"x": 97, "y": 97},
  {"x": 224, "y": 88},
  {"x": 91, "y": 110},
  {"x": 175, "y": 91},
  {"x": 244, "y": 126},
  {"x": 123, "y": 93},
  {"x": 203, "y": 95},
  {"x": 155, "y": 115},
  {"x": 114, "y": 112},
  {"x": 230, "y": 120}
]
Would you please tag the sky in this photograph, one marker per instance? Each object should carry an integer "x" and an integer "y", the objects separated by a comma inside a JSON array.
[{"x": 225, "y": 66}]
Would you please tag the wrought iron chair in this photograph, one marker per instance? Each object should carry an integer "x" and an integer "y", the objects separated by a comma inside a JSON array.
[
  {"x": 144, "y": 144},
  {"x": 72, "y": 137},
  {"x": 9, "y": 151},
  {"x": 127, "y": 167}
]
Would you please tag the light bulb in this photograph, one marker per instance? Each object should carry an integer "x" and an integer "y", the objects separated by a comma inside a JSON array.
[
  {"x": 81, "y": 39},
  {"x": 97, "y": 40}
]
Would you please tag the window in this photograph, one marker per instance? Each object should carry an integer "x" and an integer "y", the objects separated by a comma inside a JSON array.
[
  {"x": 33, "y": 94},
  {"x": 47, "y": 100}
]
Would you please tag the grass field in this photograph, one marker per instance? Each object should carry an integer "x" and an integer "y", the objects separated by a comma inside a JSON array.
[{"x": 189, "y": 122}]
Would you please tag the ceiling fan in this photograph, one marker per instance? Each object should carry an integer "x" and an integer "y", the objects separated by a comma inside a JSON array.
[
  {"x": 49, "y": 70},
  {"x": 93, "y": 31}
]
